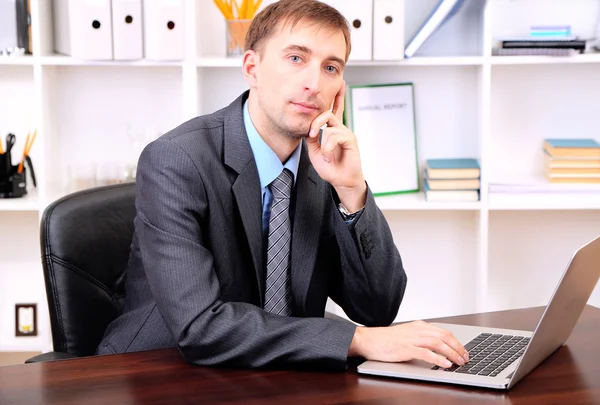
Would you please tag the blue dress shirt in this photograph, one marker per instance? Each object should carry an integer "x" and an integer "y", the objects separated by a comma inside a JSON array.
[{"x": 269, "y": 166}]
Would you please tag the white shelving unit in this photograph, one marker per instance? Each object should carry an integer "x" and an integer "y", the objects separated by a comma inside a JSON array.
[{"x": 505, "y": 251}]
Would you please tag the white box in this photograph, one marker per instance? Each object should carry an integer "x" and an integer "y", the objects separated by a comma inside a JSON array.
[
  {"x": 359, "y": 14},
  {"x": 127, "y": 29},
  {"x": 83, "y": 28},
  {"x": 163, "y": 29},
  {"x": 388, "y": 29}
]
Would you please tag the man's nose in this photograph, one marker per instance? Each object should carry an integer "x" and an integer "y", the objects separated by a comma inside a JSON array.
[{"x": 312, "y": 79}]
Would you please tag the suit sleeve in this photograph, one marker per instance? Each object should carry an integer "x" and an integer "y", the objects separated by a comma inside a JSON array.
[
  {"x": 171, "y": 204},
  {"x": 368, "y": 280}
]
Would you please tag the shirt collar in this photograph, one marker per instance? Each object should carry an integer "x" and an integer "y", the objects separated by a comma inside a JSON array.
[{"x": 268, "y": 164}]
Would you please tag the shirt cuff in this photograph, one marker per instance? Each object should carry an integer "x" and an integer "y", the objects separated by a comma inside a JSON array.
[{"x": 352, "y": 218}]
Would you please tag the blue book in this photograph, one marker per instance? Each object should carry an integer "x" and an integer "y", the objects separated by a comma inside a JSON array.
[
  {"x": 573, "y": 143},
  {"x": 578, "y": 147},
  {"x": 462, "y": 168},
  {"x": 550, "y": 30},
  {"x": 462, "y": 163}
]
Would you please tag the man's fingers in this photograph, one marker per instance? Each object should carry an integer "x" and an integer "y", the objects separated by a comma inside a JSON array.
[
  {"x": 325, "y": 118},
  {"x": 442, "y": 348},
  {"x": 331, "y": 140},
  {"x": 328, "y": 144},
  {"x": 338, "y": 102},
  {"x": 313, "y": 145},
  {"x": 429, "y": 330},
  {"x": 431, "y": 357},
  {"x": 447, "y": 337}
]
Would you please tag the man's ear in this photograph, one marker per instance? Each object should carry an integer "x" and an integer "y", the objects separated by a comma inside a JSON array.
[{"x": 250, "y": 65}]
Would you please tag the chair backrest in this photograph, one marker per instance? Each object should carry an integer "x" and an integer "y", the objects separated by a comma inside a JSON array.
[{"x": 85, "y": 240}]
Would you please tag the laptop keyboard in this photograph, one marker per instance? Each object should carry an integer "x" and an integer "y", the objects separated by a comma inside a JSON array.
[{"x": 490, "y": 354}]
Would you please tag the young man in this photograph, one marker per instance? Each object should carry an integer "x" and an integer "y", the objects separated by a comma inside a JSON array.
[{"x": 248, "y": 219}]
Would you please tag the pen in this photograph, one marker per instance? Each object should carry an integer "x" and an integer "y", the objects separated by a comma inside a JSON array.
[
  {"x": 28, "y": 146},
  {"x": 20, "y": 169}
]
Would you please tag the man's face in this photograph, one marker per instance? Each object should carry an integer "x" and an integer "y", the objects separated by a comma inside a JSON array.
[{"x": 298, "y": 76}]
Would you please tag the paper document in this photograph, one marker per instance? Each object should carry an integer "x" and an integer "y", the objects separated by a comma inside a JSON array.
[{"x": 382, "y": 118}]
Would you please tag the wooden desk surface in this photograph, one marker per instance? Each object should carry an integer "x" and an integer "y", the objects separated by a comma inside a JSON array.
[{"x": 571, "y": 376}]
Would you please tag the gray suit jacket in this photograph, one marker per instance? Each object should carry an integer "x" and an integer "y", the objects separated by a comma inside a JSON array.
[{"x": 196, "y": 276}]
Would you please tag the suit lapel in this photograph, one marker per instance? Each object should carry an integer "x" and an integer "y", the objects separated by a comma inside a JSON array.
[
  {"x": 246, "y": 187},
  {"x": 307, "y": 224}
]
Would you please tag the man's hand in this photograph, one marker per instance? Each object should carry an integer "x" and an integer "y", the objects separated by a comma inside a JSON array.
[
  {"x": 414, "y": 340},
  {"x": 336, "y": 158}
]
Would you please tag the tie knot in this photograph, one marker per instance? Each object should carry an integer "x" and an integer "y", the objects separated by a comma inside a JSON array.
[{"x": 281, "y": 187}]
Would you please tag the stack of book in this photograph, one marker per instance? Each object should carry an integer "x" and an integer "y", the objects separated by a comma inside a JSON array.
[
  {"x": 452, "y": 180},
  {"x": 540, "y": 46},
  {"x": 543, "y": 40},
  {"x": 572, "y": 160}
]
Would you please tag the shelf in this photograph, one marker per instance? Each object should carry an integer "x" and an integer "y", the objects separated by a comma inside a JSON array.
[
  {"x": 218, "y": 61},
  {"x": 417, "y": 202},
  {"x": 30, "y": 202},
  {"x": 221, "y": 61},
  {"x": 426, "y": 61},
  {"x": 540, "y": 60},
  {"x": 63, "y": 60},
  {"x": 544, "y": 201},
  {"x": 17, "y": 60}
]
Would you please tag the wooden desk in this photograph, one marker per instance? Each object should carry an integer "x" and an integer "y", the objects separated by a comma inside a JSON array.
[{"x": 571, "y": 376}]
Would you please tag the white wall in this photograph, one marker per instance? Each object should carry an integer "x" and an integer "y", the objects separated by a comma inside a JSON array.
[{"x": 506, "y": 251}]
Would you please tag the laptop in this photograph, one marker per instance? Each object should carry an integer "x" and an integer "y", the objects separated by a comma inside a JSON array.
[{"x": 500, "y": 358}]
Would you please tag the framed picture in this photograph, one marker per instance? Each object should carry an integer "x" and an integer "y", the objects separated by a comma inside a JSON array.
[{"x": 26, "y": 320}]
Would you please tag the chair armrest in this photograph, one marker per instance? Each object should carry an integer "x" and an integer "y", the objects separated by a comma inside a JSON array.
[{"x": 50, "y": 356}]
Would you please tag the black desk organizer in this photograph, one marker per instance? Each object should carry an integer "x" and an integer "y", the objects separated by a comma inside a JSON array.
[{"x": 12, "y": 183}]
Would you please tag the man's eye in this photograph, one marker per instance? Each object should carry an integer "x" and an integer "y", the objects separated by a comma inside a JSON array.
[
  {"x": 331, "y": 69},
  {"x": 295, "y": 58}
]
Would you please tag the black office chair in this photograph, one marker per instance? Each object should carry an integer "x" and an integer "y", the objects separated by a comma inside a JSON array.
[{"x": 85, "y": 240}]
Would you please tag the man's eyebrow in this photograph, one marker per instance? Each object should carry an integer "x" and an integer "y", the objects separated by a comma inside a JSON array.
[
  {"x": 299, "y": 48},
  {"x": 304, "y": 49}
]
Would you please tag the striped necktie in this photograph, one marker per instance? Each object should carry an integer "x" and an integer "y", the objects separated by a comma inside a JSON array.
[{"x": 278, "y": 297}]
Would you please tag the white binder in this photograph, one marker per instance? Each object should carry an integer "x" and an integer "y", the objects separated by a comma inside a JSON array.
[
  {"x": 8, "y": 25},
  {"x": 127, "y": 29},
  {"x": 83, "y": 28},
  {"x": 388, "y": 29},
  {"x": 359, "y": 14},
  {"x": 163, "y": 29}
]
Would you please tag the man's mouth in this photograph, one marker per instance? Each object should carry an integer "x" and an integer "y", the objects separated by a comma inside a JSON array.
[{"x": 305, "y": 107}]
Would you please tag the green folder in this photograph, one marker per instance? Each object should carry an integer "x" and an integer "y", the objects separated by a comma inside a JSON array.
[{"x": 382, "y": 116}]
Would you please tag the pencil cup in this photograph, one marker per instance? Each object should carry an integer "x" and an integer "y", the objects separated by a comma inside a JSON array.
[
  {"x": 17, "y": 184},
  {"x": 12, "y": 183},
  {"x": 236, "y": 36},
  {"x": 5, "y": 168}
]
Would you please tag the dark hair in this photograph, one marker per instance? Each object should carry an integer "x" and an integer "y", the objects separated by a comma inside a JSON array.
[{"x": 268, "y": 20}]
